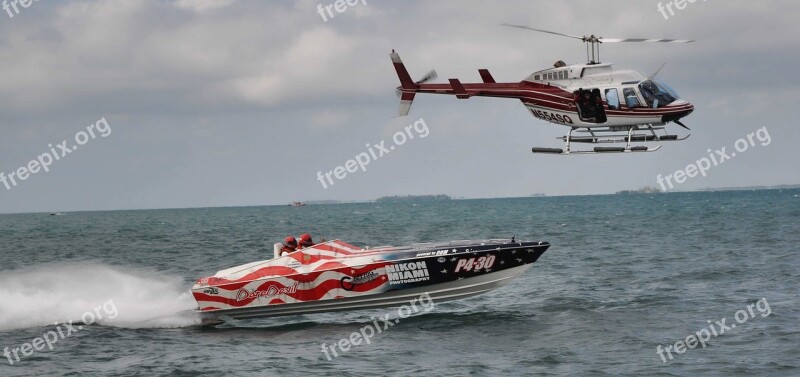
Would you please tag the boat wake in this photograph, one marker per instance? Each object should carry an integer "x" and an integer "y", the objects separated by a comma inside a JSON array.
[{"x": 93, "y": 293}]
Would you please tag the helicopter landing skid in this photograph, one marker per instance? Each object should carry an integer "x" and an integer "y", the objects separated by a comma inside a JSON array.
[
  {"x": 623, "y": 139},
  {"x": 597, "y": 150},
  {"x": 628, "y": 137}
]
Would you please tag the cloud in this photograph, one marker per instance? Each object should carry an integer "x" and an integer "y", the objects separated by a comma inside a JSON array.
[
  {"x": 331, "y": 117},
  {"x": 203, "y": 5}
]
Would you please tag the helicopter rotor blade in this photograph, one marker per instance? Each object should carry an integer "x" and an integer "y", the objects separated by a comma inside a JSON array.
[
  {"x": 644, "y": 40},
  {"x": 601, "y": 39},
  {"x": 543, "y": 31},
  {"x": 432, "y": 75}
]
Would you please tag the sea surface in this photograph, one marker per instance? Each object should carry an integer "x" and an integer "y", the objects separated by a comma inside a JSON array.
[{"x": 625, "y": 275}]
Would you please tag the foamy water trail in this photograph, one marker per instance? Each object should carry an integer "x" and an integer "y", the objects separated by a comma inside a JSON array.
[{"x": 43, "y": 295}]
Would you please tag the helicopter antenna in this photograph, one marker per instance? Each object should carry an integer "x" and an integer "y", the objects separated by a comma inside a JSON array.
[
  {"x": 657, "y": 71},
  {"x": 592, "y": 42}
]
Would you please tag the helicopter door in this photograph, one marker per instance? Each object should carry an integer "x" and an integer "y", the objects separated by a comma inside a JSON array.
[{"x": 590, "y": 106}]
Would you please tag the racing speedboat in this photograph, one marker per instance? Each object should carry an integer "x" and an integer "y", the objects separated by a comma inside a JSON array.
[{"x": 335, "y": 275}]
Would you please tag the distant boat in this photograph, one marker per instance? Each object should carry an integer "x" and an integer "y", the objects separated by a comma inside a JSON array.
[{"x": 296, "y": 204}]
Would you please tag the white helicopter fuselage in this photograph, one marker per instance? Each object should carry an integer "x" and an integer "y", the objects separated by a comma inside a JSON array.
[{"x": 624, "y": 93}]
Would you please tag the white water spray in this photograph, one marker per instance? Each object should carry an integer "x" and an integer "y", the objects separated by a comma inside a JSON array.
[{"x": 40, "y": 296}]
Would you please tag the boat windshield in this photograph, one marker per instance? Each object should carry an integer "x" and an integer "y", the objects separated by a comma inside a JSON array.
[{"x": 657, "y": 94}]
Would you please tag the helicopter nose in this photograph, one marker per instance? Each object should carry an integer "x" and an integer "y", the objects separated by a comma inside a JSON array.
[{"x": 680, "y": 111}]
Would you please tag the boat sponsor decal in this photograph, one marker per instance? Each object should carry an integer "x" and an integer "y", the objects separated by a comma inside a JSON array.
[
  {"x": 475, "y": 264},
  {"x": 435, "y": 252},
  {"x": 211, "y": 291},
  {"x": 410, "y": 272},
  {"x": 293, "y": 264},
  {"x": 441, "y": 260},
  {"x": 272, "y": 290},
  {"x": 348, "y": 283}
]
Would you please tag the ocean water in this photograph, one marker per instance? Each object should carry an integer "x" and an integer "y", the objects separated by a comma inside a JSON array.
[{"x": 625, "y": 275}]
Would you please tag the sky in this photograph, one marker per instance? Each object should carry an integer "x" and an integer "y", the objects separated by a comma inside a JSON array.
[{"x": 202, "y": 103}]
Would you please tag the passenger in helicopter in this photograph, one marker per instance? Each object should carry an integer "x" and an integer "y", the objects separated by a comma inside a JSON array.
[
  {"x": 581, "y": 99},
  {"x": 631, "y": 100},
  {"x": 600, "y": 111},
  {"x": 586, "y": 105},
  {"x": 647, "y": 92},
  {"x": 590, "y": 105}
]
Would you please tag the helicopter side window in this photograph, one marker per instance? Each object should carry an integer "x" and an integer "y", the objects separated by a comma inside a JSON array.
[
  {"x": 631, "y": 100},
  {"x": 612, "y": 97}
]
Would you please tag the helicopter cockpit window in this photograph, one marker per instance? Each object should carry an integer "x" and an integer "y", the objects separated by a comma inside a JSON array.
[
  {"x": 612, "y": 97},
  {"x": 657, "y": 94},
  {"x": 631, "y": 100}
]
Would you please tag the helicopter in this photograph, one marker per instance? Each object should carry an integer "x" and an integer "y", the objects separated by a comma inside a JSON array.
[{"x": 599, "y": 103}]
